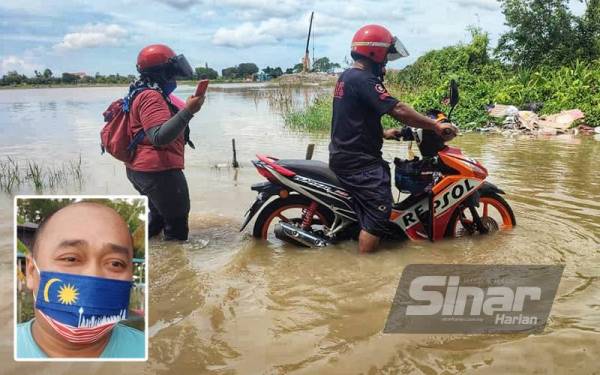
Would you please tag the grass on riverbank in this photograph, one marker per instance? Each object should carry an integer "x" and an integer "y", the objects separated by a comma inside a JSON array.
[
  {"x": 483, "y": 81},
  {"x": 314, "y": 117},
  {"x": 15, "y": 174}
]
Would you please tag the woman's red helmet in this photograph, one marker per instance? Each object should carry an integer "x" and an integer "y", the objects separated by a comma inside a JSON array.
[
  {"x": 377, "y": 43},
  {"x": 153, "y": 55},
  {"x": 157, "y": 58}
]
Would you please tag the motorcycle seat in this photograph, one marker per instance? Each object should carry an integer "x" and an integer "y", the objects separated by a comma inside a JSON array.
[{"x": 314, "y": 169}]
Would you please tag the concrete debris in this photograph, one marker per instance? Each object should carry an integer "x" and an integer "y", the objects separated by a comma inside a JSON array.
[
  {"x": 561, "y": 121},
  {"x": 529, "y": 122},
  {"x": 587, "y": 130},
  {"x": 501, "y": 110}
]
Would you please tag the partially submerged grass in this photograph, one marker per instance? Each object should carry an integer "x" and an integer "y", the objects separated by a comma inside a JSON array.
[
  {"x": 35, "y": 175},
  {"x": 316, "y": 116},
  {"x": 10, "y": 174},
  {"x": 281, "y": 99},
  {"x": 15, "y": 174}
]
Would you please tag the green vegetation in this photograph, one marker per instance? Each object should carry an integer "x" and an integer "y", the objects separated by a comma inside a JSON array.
[
  {"x": 14, "y": 174},
  {"x": 47, "y": 78},
  {"x": 546, "y": 33},
  {"x": 242, "y": 71},
  {"x": 484, "y": 81},
  {"x": 273, "y": 72},
  {"x": 324, "y": 65},
  {"x": 239, "y": 73},
  {"x": 515, "y": 75},
  {"x": 315, "y": 117},
  {"x": 205, "y": 73}
]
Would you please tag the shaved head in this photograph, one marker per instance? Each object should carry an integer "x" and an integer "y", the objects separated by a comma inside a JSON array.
[{"x": 89, "y": 216}]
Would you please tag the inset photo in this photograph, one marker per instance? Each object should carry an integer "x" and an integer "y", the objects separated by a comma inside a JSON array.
[{"x": 81, "y": 278}]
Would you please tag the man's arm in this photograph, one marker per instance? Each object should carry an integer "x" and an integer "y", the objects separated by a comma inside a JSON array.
[{"x": 407, "y": 115}]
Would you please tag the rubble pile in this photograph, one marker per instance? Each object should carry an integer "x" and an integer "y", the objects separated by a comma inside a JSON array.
[{"x": 517, "y": 121}]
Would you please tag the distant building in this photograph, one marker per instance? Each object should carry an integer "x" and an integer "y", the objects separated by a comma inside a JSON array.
[
  {"x": 81, "y": 75},
  {"x": 337, "y": 71},
  {"x": 26, "y": 232},
  {"x": 262, "y": 77}
]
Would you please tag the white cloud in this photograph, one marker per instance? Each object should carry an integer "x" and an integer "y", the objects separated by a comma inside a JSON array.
[
  {"x": 244, "y": 35},
  {"x": 273, "y": 30},
  {"x": 263, "y": 9},
  {"x": 489, "y": 5},
  {"x": 92, "y": 35},
  {"x": 21, "y": 65},
  {"x": 245, "y": 9},
  {"x": 178, "y": 4}
]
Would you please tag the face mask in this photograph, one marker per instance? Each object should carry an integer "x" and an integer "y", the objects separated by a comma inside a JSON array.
[
  {"x": 169, "y": 86},
  {"x": 80, "y": 308}
]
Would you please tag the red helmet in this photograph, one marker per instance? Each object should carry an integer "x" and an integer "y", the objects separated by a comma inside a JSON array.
[
  {"x": 153, "y": 55},
  {"x": 376, "y": 43},
  {"x": 159, "y": 57}
]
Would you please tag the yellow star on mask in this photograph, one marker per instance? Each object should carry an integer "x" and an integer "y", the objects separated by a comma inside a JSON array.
[{"x": 67, "y": 294}]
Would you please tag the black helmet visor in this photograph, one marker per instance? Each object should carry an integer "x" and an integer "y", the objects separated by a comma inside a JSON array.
[{"x": 181, "y": 68}]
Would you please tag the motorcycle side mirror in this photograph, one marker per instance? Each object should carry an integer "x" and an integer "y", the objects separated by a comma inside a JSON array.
[
  {"x": 453, "y": 97},
  {"x": 453, "y": 93}
]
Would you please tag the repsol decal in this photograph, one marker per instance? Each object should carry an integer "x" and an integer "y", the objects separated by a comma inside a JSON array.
[{"x": 442, "y": 202}]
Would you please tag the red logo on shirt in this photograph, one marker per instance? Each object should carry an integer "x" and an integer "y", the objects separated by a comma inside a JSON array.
[
  {"x": 379, "y": 88},
  {"x": 339, "y": 90}
]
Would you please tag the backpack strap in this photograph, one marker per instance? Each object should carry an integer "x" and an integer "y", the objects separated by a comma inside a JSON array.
[
  {"x": 127, "y": 104},
  {"x": 134, "y": 90}
]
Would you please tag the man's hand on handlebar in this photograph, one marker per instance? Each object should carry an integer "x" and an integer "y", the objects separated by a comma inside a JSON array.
[
  {"x": 446, "y": 130},
  {"x": 392, "y": 133}
]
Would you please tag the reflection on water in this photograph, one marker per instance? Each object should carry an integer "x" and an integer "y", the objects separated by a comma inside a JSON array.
[{"x": 223, "y": 303}]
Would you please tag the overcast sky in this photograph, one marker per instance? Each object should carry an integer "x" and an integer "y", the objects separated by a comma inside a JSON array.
[{"x": 105, "y": 36}]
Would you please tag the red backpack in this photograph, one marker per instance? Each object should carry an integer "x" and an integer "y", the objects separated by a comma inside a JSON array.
[{"x": 116, "y": 137}]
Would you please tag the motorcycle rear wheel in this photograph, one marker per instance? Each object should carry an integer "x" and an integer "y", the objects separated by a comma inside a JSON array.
[{"x": 294, "y": 204}]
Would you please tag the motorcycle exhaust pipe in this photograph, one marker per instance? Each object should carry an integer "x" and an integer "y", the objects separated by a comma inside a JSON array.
[{"x": 291, "y": 233}]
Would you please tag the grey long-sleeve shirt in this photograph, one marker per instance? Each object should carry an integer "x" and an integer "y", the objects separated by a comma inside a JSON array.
[{"x": 166, "y": 133}]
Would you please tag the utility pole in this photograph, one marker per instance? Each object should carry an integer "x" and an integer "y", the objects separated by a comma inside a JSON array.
[{"x": 306, "y": 62}]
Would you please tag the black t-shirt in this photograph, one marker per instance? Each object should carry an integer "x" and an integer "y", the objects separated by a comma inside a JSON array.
[{"x": 359, "y": 102}]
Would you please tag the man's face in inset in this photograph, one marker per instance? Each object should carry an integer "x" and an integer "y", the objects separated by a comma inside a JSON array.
[{"x": 84, "y": 239}]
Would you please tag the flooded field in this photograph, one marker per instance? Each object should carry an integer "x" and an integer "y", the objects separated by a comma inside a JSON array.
[{"x": 224, "y": 303}]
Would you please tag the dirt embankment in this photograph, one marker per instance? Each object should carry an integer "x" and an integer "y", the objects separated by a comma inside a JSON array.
[{"x": 306, "y": 79}]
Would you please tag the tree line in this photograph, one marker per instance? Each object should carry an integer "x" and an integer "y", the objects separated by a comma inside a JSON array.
[
  {"x": 243, "y": 71},
  {"x": 548, "y": 33},
  {"x": 549, "y": 58},
  {"x": 47, "y": 77}
]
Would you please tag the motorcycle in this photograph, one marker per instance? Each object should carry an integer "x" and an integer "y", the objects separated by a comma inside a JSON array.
[{"x": 310, "y": 207}]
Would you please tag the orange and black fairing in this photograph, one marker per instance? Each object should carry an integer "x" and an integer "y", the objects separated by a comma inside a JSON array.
[{"x": 448, "y": 193}]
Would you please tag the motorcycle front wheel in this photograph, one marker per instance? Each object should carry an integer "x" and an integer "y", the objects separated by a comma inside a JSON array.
[{"x": 495, "y": 213}]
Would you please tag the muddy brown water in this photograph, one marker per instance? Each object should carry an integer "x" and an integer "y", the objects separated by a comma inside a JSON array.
[{"x": 224, "y": 303}]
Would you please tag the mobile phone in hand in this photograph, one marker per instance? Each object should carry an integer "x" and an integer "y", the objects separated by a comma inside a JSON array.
[{"x": 201, "y": 88}]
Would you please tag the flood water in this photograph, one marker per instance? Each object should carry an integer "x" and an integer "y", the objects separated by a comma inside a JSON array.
[{"x": 224, "y": 303}]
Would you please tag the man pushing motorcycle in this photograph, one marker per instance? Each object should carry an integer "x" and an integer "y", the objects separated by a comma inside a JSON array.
[{"x": 360, "y": 100}]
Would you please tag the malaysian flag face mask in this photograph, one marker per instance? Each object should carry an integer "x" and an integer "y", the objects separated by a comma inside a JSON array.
[{"x": 81, "y": 308}]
